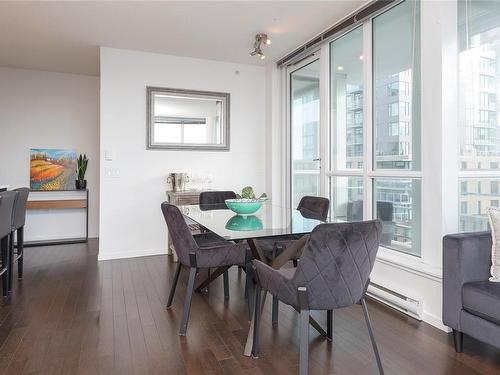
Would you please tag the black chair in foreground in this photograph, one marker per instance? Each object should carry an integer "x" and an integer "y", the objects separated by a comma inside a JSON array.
[
  {"x": 18, "y": 221},
  {"x": 194, "y": 257},
  {"x": 7, "y": 201},
  {"x": 333, "y": 272}
]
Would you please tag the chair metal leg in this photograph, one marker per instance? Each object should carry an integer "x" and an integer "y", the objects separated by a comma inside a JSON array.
[
  {"x": 20, "y": 252},
  {"x": 250, "y": 289},
  {"x": 372, "y": 337},
  {"x": 174, "y": 285},
  {"x": 257, "y": 315},
  {"x": 304, "y": 331},
  {"x": 187, "y": 301},
  {"x": 10, "y": 271},
  {"x": 458, "y": 340},
  {"x": 4, "y": 244},
  {"x": 329, "y": 325},
  {"x": 275, "y": 310},
  {"x": 225, "y": 276}
]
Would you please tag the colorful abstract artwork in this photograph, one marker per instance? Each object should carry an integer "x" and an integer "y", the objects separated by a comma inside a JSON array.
[{"x": 52, "y": 169}]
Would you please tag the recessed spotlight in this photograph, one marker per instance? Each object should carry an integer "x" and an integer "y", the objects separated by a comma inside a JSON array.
[
  {"x": 361, "y": 57},
  {"x": 340, "y": 67}
]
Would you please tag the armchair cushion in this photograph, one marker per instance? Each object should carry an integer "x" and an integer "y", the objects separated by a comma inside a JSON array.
[{"x": 482, "y": 298}]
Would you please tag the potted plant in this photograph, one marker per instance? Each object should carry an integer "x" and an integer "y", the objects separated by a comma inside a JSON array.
[
  {"x": 82, "y": 162},
  {"x": 246, "y": 203}
]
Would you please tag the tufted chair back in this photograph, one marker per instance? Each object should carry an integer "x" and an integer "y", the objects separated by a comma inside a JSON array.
[
  {"x": 314, "y": 207},
  {"x": 215, "y": 200},
  {"x": 20, "y": 208},
  {"x": 182, "y": 238},
  {"x": 336, "y": 263}
]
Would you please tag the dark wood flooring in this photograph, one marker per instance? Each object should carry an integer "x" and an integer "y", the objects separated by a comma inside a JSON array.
[{"x": 74, "y": 315}]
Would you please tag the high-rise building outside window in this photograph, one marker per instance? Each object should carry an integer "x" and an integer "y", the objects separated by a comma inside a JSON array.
[{"x": 479, "y": 116}]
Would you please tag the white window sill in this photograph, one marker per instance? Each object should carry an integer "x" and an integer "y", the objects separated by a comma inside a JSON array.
[{"x": 409, "y": 263}]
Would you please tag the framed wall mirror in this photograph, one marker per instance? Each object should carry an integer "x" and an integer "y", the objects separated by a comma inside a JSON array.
[{"x": 187, "y": 119}]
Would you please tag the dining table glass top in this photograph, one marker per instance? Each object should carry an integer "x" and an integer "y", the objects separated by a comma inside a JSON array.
[{"x": 270, "y": 220}]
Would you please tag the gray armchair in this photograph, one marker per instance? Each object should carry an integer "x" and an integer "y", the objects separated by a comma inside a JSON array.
[
  {"x": 310, "y": 207},
  {"x": 333, "y": 272},
  {"x": 471, "y": 303},
  {"x": 194, "y": 257}
]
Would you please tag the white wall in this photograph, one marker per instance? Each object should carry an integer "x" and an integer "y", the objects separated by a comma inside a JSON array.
[
  {"x": 49, "y": 110},
  {"x": 131, "y": 223}
]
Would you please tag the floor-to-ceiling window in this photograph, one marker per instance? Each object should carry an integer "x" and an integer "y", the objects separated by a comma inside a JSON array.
[
  {"x": 374, "y": 169},
  {"x": 479, "y": 111},
  {"x": 305, "y": 130},
  {"x": 396, "y": 126},
  {"x": 347, "y": 95}
]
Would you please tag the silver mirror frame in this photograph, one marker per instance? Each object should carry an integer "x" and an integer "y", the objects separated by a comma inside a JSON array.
[{"x": 223, "y": 96}]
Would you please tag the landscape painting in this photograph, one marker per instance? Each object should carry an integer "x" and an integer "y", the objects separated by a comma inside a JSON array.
[{"x": 52, "y": 169}]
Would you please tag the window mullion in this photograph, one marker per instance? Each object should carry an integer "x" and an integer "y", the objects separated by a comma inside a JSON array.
[{"x": 367, "y": 120}]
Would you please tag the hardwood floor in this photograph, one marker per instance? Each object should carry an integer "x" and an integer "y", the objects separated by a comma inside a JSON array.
[{"x": 73, "y": 315}]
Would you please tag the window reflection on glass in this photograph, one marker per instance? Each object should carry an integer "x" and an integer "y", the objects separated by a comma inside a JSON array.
[
  {"x": 397, "y": 205},
  {"x": 304, "y": 87},
  {"x": 479, "y": 115},
  {"x": 346, "y": 197},
  {"x": 475, "y": 196},
  {"x": 479, "y": 84},
  {"x": 396, "y": 85},
  {"x": 174, "y": 121},
  {"x": 346, "y": 91}
]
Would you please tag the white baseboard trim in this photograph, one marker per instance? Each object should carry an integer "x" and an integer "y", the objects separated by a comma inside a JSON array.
[
  {"x": 109, "y": 255},
  {"x": 55, "y": 237},
  {"x": 435, "y": 321}
]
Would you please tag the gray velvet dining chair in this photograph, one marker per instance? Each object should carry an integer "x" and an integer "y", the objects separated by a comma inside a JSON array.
[
  {"x": 214, "y": 200},
  {"x": 7, "y": 202},
  {"x": 18, "y": 221},
  {"x": 333, "y": 272},
  {"x": 310, "y": 207},
  {"x": 194, "y": 257}
]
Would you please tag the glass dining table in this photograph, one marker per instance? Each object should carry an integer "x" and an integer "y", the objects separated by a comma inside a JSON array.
[{"x": 271, "y": 220}]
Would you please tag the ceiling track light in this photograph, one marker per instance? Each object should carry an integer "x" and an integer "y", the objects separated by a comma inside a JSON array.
[{"x": 260, "y": 39}]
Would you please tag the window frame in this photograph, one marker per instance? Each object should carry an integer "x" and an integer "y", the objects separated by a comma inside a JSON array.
[{"x": 368, "y": 173}]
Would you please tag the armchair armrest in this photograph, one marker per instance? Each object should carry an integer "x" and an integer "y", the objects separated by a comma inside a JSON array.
[{"x": 466, "y": 258}]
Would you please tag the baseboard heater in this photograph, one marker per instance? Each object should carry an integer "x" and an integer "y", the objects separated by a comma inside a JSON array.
[{"x": 408, "y": 305}]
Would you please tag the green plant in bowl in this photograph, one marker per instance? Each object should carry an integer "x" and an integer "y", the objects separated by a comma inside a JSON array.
[{"x": 246, "y": 203}]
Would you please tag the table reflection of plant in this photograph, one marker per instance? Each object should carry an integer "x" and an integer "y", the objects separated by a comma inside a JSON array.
[{"x": 244, "y": 223}]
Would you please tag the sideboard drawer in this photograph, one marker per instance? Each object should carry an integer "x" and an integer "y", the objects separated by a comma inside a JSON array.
[{"x": 187, "y": 199}]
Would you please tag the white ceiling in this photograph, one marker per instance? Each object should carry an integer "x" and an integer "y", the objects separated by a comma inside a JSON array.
[{"x": 64, "y": 36}]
